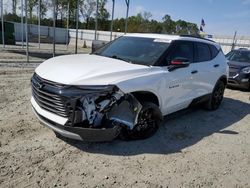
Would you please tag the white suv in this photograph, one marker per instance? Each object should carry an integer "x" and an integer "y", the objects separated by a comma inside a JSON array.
[{"x": 127, "y": 86}]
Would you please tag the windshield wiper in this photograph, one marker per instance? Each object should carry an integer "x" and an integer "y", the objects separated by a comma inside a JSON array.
[{"x": 123, "y": 59}]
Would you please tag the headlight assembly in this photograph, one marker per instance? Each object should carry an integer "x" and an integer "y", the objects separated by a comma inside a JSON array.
[
  {"x": 246, "y": 70},
  {"x": 94, "y": 90}
]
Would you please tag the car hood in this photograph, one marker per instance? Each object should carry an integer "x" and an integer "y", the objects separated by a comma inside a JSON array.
[
  {"x": 85, "y": 69},
  {"x": 239, "y": 65}
]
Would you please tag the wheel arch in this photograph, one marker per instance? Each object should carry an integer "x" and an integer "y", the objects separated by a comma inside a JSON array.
[
  {"x": 146, "y": 96},
  {"x": 223, "y": 79}
]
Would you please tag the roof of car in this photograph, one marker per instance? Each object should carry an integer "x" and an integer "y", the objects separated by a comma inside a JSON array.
[{"x": 173, "y": 37}]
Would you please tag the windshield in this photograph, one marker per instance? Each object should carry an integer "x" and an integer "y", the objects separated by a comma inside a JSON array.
[
  {"x": 240, "y": 56},
  {"x": 137, "y": 50}
]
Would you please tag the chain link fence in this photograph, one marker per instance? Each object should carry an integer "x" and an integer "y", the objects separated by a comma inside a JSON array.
[
  {"x": 232, "y": 42},
  {"x": 66, "y": 39}
]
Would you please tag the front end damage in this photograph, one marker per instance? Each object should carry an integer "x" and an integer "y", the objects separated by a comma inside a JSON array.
[{"x": 93, "y": 113}]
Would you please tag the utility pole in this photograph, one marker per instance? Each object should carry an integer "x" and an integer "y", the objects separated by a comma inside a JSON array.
[
  {"x": 112, "y": 21},
  {"x": 234, "y": 41}
]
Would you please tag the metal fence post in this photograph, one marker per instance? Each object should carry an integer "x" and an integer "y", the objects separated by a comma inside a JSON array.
[
  {"x": 39, "y": 23},
  {"x": 111, "y": 29},
  {"x": 77, "y": 19},
  {"x": 22, "y": 21},
  {"x": 96, "y": 19},
  {"x": 2, "y": 24},
  {"x": 126, "y": 23},
  {"x": 54, "y": 26},
  {"x": 67, "y": 37},
  {"x": 26, "y": 28}
]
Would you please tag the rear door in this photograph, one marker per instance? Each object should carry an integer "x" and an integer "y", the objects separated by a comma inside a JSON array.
[{"x": 205, "y": 69}]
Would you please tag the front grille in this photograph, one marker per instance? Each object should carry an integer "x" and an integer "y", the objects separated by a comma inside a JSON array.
[
  {"x": 47, "y": 100},
  {"x": 232, "y": 74}
]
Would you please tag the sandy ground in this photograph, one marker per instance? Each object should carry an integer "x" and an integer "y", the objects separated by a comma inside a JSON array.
[{"x": 194, "y": 148}]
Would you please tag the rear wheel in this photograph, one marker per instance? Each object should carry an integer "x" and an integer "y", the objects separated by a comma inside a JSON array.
[
  {"x": 149, "y": 120},
  {"x": 217, "y": 96}
]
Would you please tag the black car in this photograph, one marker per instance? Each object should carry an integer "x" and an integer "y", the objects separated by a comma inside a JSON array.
[{"x": 239, "y": 68}]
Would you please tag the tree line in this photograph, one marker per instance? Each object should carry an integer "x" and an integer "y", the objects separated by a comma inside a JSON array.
[{"x": 66, "y": 9}]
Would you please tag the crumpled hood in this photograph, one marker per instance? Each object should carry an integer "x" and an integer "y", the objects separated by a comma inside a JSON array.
[{"x": 85, "y": 69}]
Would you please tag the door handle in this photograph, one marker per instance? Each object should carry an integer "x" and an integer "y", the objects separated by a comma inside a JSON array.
[
  {"x": 216, "y": 65},
  {"x": 194, "y": 72}
]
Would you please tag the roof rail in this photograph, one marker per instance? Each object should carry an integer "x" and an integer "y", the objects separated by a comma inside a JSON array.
[{"x": 197, "y": 37}]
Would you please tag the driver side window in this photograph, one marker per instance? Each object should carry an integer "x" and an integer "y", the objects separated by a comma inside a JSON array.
[{"x": 182, "y": 50}]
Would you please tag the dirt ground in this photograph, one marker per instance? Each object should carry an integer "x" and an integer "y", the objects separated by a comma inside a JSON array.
[{"x": 195, "y": 148}]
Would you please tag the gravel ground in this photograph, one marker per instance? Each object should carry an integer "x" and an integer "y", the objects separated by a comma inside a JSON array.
[{"x": 194, "y": 148}]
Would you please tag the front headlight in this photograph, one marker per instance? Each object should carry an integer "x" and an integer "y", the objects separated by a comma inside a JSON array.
[{"x": 246, "y": 70}]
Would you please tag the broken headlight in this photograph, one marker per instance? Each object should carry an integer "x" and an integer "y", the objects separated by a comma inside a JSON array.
[
  {"x": 78, "y": 91},
  {"x": 95, "y": 101}
]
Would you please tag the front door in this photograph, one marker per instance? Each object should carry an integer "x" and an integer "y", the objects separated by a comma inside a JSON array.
[{"x": 179, "y": 82}]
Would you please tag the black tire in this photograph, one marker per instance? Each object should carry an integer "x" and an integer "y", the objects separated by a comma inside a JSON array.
[
  {"x": 216, "y": 97},
  {"x": 149, "y": 120}
]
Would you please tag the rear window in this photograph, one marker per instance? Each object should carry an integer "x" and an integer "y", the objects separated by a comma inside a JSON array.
[{"x": 202, "y": 52}]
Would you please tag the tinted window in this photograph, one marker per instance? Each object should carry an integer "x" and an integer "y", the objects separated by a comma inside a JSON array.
[
  {"x": 202, "y": 52},
  {"x": 240, "y": 56},
  {"x": 229, "y": 54},
  {"x": 182, "y": 50},
  {"x": 214, "y": 51}
]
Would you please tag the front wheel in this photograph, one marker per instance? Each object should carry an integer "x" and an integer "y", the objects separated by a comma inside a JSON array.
[
  {"x": 148, "y": 123},
  {"x": 216, "y": 97}
]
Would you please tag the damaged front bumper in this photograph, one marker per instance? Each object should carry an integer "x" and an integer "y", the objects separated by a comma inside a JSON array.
[
  {"x": 88, "y": 113},
  {"x": 79, "y": 133}
]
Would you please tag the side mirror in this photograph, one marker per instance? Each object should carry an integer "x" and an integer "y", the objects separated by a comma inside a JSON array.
[
  {"x": 97, "y": 44},
  {"x": 179, "y": 63}
]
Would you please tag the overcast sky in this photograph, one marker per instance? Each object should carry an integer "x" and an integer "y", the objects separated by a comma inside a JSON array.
[{"x": 222, "y": 17}]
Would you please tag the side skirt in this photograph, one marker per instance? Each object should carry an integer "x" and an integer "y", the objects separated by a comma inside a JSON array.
[
  {"x": 196, "y": 102},
  {"x": 200, "y": 100}
]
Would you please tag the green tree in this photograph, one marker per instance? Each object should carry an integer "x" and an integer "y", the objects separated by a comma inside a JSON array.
[
  {"x": 33, "y": 7},
  {"x": 87, "y": 10},
  {"x": 168, "y": 24},
  {"x": 14, "y": 6},
  {"x": 30, "y": 7}
]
